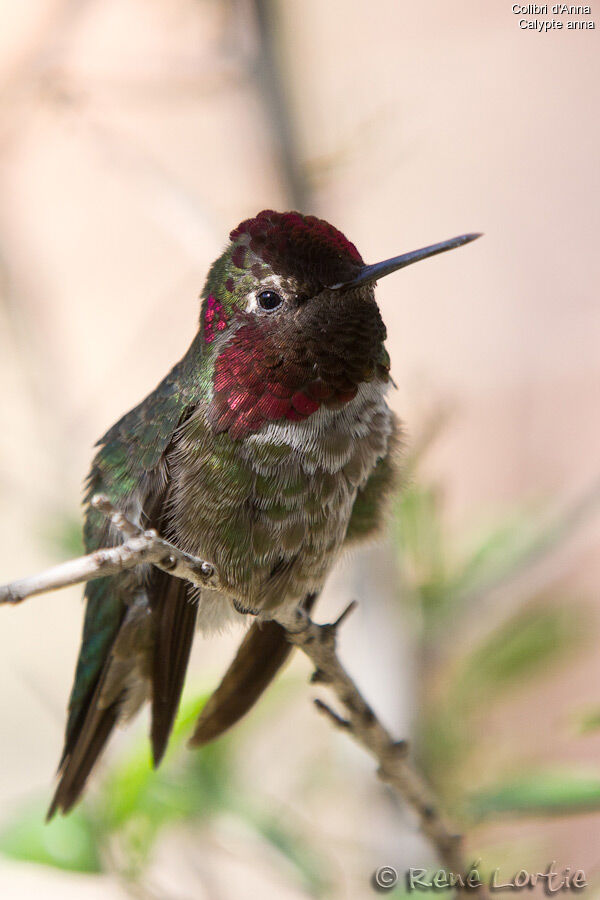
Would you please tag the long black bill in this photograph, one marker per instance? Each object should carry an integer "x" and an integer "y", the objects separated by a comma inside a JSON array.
[{"x": 368, "y": 274}]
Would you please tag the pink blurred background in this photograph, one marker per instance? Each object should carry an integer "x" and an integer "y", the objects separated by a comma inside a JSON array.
[{"x": 133, "y": 136}]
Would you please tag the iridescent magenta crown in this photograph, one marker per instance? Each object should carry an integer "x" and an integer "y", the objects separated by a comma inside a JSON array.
[{"x": 310, "y": 249}]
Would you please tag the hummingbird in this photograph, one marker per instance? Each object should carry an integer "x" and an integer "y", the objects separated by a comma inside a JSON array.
[{"x": 268, "y": 449}]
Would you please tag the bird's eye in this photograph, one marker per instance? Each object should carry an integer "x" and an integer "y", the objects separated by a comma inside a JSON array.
[{"x": 269, "y": 300}]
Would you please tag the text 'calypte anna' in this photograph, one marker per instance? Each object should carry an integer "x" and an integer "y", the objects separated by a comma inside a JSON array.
[{"x": 266, "y": 450}]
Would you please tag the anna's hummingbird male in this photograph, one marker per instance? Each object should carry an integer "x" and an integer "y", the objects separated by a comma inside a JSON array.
[{"x": 266, "y": 450}]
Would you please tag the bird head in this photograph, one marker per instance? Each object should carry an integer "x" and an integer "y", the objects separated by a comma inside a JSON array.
[{"x": 290, "y": 322}]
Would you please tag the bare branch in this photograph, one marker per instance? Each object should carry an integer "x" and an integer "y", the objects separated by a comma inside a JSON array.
[
  {"x": 318, "y": 642},
  {"x": 138, "y": 548},
  {"x": 331, "y": 714}
]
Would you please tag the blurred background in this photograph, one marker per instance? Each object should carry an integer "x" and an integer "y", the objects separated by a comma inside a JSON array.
[{"x": 134, "y": 134}]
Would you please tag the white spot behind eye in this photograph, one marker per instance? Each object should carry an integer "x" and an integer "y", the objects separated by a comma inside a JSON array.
[{"x": 274, "y": 283}]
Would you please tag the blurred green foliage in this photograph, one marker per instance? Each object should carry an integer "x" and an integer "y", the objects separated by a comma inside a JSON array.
[
  {"x": 589, "y": 721},
  {"x": 116, "y": 829},
  {"x": 463, "y": 682},
  {"x": 442, "y": 576},
  {"x": 68, "y": 843},
  {"x": 61, "y": 534},
  {"x": 554, "y": 792}
]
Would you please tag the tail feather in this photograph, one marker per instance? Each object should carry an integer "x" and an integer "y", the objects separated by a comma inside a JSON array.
[
  {"x": 260, "y": 656},
  {"x": 77, "y": 764},
  {"x": 174, "y": 619},
  {"x": 175, "y": 615}
]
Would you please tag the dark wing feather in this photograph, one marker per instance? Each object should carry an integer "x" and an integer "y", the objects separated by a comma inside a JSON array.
[
  {"x": 261, "y": 655},
  {"x": 174, "y": 611},
  {"x": 79, "y": 760},
  {"x": 132, "y": 460},
  {"x": 88, "y": 725},
  {"x": 168, "y": 642}
]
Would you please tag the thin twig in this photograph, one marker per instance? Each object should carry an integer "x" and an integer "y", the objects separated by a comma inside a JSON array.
[
  {"x": 331, "y": 714},
  {"x": 138, "y": 548}
]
